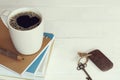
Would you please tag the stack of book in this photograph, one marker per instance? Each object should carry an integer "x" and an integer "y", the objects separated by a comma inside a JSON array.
[{"x": 33, "y": 67}]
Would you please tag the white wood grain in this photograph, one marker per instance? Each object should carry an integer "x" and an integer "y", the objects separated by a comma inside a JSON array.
[
  {"x": 81, "y": 21},
  {"x": 70, "y": 3},
  {"x": 75, "y": 18}
]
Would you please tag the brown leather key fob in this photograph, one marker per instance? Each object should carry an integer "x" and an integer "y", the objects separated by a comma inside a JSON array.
[{"x": 100, "y": 60}]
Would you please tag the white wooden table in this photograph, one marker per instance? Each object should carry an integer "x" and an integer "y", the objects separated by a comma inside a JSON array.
[
  {"x": 64, "y": 59},
  {"x": 79, "y": 25}
]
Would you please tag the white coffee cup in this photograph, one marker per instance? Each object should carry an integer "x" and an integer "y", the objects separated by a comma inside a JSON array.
[{"x": 26, "y": 42}]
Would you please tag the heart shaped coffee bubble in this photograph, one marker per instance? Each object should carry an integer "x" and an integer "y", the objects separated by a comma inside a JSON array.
[{"x": 25, "y": 21}]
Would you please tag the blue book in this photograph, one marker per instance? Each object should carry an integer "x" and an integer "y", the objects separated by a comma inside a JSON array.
[
  {"x": 39, "y": 60},
  {"x": 38, "y": 67}
]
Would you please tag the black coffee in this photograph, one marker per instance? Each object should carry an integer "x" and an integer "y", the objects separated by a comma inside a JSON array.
[{"x": 25, "y": 21}]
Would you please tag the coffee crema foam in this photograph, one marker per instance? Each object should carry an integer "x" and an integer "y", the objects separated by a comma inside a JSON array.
[{"x": 25, "y": 21}]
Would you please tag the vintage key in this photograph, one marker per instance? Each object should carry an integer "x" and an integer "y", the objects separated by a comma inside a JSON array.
[
  {"x": 99, "y": 59},
  {"x": 82, "y": 67}
]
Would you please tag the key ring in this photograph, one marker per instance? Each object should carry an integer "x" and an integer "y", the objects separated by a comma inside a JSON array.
[{"x": 82, "y": 64}]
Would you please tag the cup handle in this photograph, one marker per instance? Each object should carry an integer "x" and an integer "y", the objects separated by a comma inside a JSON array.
[{"x": 3, "y": 15}]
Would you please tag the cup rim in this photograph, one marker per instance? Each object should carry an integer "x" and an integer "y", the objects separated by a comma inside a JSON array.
[{"x": 19, "y": 10}]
